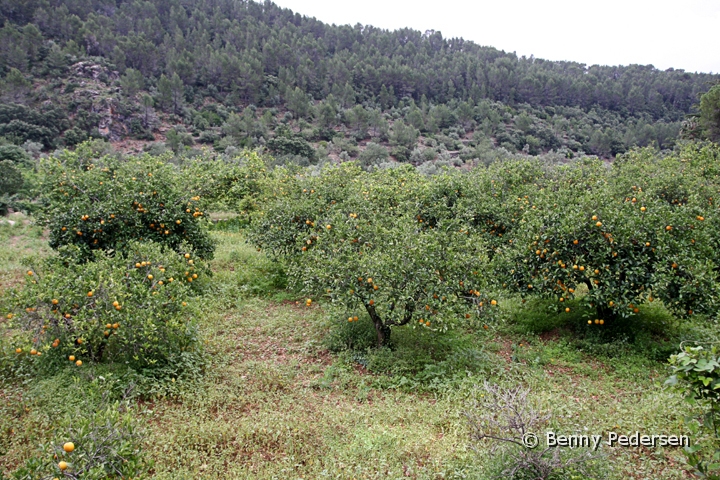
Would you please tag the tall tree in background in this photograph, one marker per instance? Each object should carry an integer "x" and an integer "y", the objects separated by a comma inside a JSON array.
[{"x": 709, "y": 118}]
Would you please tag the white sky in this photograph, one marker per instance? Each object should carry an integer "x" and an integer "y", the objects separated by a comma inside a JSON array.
[{"x": 679, "y": 33}]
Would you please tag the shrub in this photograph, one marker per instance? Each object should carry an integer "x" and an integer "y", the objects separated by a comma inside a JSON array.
[
  {"x": 128, "y": 309},
  {"x": 106, "y": 443},
  {"x": 696, "y": 373},
  {"x": 104, "y": 203}
]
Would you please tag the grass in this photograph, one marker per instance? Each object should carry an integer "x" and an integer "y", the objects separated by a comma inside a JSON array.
[{"x": 284, "y": 397}]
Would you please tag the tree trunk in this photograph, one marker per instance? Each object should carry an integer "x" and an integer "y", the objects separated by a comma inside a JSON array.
[{"x": 383, "y": 331}]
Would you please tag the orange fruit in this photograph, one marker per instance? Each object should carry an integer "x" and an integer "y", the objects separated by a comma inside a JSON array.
[
  {"x": 63, "y": 465},
  {"x": 78, "y": 363},
  {"x": 594, "y": 217},
  {"x": 90, "y": 294},
  {"x": 69, "y": 447},
  {"x": 71, "y": 358},
  {"x": 493, "y": 302},
  {"x": 18, "y": 350},
  {"x": 55, "y": 301},
  {"x": 567, "y": 310}
]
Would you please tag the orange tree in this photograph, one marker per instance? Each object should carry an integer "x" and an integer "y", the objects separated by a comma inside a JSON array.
[
  {"x": 628, "y": 235},
  {"x": 129, "y": 309},
  {"x": 357, "y": 239},
  {"x": 236, "y": 184},
  {"x": 104, "y": 203}
]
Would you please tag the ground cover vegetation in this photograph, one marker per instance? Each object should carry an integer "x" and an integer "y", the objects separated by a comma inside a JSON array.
[{"x": 349, "y": 323}]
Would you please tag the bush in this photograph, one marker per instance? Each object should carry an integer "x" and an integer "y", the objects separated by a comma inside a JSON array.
[
  {"x": 106, "y": 443},
  {"x": 129, "y": 309},
  {"x": 696, "y": 373},
  {"x": 103, "y": 204}
]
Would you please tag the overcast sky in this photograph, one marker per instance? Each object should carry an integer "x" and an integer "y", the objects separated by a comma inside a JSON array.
[{"x": 679, "y": 34}]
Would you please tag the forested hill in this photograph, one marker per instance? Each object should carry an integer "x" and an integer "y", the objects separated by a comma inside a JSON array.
[{"x": 234, "y": 73}]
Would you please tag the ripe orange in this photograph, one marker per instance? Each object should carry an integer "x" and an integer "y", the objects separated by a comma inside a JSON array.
[
  {"x": 567, "y": 310},
  {"x": 150, "y": 277},
  {"x": 594, "y": 217},
  {"x": 371, "y": 302},
  {"x": 33, "y": 351},
  {"x": 9, "y": 316},
  {"x": 18, "y": 350},
  {"x": 78, "y": 363},
  {"x": 598, "y": 224},
  {"x": 71, "y": 358},
  {"x": 69, "y": 447},
  {"x": 602, "y": 322},
  {"x": 55, "y": 301},
  {"x": 589, "y": 322},
  {"x": 63, "y": 465},
  {"x": 581, "y": 268},
  {"x": 90, "y": 294},
  {"x": 642, "y": 209},
  {"x": 493, "y": 302},
  {"x": 668, "y": 228}
]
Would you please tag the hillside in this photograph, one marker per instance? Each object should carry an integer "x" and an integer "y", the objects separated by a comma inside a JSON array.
[{"x": 231, "y": 74}]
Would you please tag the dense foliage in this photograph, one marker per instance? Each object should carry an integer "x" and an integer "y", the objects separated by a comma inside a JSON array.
[
  {"x": 103, "y": 204},
  {"x": 229, "y": 73},
  {"x": 125, "y": 309},
  {"x": 614, "y": 237}
]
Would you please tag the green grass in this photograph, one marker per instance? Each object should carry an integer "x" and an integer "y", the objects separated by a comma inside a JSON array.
[
  {"x": 18, "y": 242},
  {"x": 286, "y": 394}
]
